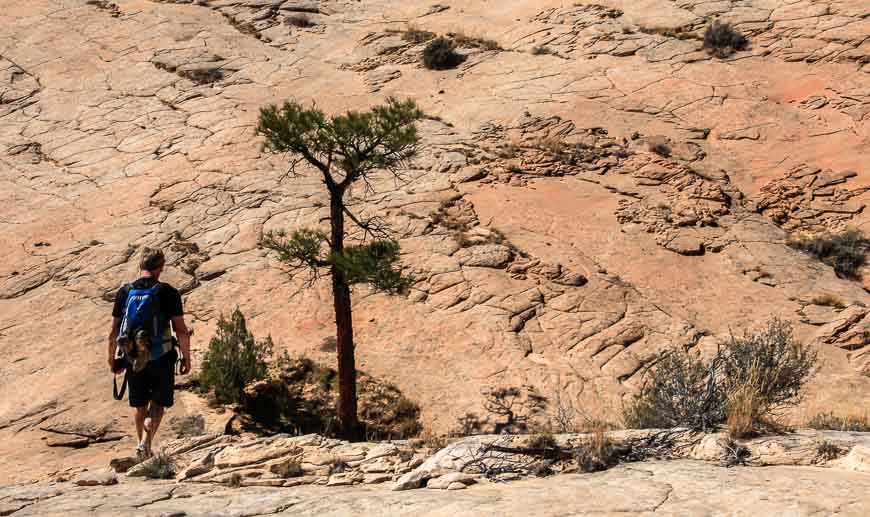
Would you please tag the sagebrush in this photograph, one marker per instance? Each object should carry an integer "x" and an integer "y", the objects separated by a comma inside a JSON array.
[
  {"x": 722, "y": 40},
  {"x": 746, "y": 384}
]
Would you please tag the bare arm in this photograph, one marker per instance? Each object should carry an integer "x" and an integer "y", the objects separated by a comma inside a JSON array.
[
  {"x": 183, "y": 334},
  {"x": 113, "y": 336}
]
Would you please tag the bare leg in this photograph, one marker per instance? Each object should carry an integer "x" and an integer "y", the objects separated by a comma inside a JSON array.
[
  {"x": 139, "y": 418},
  {"x": 155, "y": 415}
]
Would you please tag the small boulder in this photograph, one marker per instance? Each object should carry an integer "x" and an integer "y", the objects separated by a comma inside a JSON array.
[
  {"x": 456, "y": 486},
  {"x": 102, "y": 478},
  {"x": 444, "y": 482}
]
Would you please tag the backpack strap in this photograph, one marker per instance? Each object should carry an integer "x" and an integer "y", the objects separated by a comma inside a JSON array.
[{"x": 119, "y": 395}]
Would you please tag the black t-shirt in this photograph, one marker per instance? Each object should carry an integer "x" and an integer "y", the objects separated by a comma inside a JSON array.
[{"x": 168, "y": 297}]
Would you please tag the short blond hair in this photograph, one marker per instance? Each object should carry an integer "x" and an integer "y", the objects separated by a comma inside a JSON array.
[{"x": 151, "y": 259}]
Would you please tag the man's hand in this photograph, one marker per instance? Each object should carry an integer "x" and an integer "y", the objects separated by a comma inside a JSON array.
[{"x": 185, "y": 365}]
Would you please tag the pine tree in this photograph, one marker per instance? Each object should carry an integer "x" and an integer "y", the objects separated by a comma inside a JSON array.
[{"x": 344, "y": 149}]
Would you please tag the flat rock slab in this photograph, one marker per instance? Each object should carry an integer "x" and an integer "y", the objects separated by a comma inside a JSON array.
[{"x": 664, "y": 488}]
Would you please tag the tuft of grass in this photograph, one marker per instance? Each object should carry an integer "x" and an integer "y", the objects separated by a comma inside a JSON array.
[
  {"x": 337, "y": 465},
  {"x": 235, "y": 481},
  {"x": 722, "y": 40},
  {"x": 829, "y": 300},
  {"x": 464, "y": 40},
  {"x": 832, "y": 422},
  {"x": 596, "y": 453},
  {"x": 414, "y": 35},
  {"x": 846, "y": 251}
]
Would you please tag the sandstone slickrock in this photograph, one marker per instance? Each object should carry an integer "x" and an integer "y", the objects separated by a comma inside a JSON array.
[{"x": 556, "y": 262}]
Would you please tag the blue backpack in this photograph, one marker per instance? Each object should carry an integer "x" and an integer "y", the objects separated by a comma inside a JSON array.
[{"x": 142, "y": 314}]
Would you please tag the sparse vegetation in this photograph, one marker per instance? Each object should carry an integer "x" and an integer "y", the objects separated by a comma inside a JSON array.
[
  {"x": 288, "y": 469},
  {"x": 542, "y": 50},
  {"x": 464, "y": 40},
  {"x": 745, "y": 385},
  {"x": 298, "y": 20},
  {"x": 299, "y": 397},
  {"x": 515, "y": 407},
  {"x": 829, "y": 300},
  {"x": 235, "y": 480},
  {"x": 596, "y": 453},
  {"x": 543, "y": 441},
  {"x": 735, "y": 453},
  {"x": 827, "y": 451},
  {"x": 832, "y": 422},
  {"x": 336, "y": 465},
  {"x": 160, "y": 466},
  {"x": 440, "y": 54},
  {"x": 722, "y": 40},
  {"x": 846, "y": 251},
  {"x": 202, "y": 76},
  {"x": 417, "y": 36},
  {"x": 234, "y": 359},
  {"x": 660, "y": 148}
]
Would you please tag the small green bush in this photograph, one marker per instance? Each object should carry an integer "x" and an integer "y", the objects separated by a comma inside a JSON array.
[
  {"x": 233, "y": 360},
  {"x": 161, "y": 466},
  {"x": 440, "y": 54},
  {"x": 846, "y": 251}
]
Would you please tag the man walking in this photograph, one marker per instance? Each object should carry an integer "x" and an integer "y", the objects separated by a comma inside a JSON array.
[{"x": 151, "y": 388}]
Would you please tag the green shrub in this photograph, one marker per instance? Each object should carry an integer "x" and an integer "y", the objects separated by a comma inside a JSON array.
[
  {"x": 440, "y": 54},
  {"x": 160, "y": 466},
  {"x": 845, "y": 251},
  {"x": 233, "y": 360}
]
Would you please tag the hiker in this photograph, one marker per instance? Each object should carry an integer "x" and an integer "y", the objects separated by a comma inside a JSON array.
[{"x": 141, "y": 317}]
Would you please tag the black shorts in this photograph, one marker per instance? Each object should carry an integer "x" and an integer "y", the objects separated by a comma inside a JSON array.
[{"x": 156, "y": 382}]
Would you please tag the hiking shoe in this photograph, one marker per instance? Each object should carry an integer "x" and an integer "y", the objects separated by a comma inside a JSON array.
[{"x": 142, "y": 452}]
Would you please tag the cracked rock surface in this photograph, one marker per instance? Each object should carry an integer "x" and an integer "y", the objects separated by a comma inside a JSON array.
[{"x": 573, "y": 211}]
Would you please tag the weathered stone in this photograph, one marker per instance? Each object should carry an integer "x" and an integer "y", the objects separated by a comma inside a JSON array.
[
  {"x": 92, "y": 478},
  {"x": 123, "y": 464}
]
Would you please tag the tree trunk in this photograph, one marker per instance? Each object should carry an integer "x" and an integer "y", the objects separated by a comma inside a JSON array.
[{"x": 348, "y": 423}]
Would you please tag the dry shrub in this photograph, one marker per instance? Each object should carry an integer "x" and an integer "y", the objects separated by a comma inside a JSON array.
[
  {"x": 543, "y": 441},
  {"x": 827, "y": 451},
  {"x": 542, "y": 51},
  {"x": 829, "y": 300},
  {"x": 846, "y": 251},
  {"x": 596, "y": 452},
  {"x": 298, "y": 20},
  {"x": 746, "y": 385},
  {"x": 465, "y": 40},
  {"x": 440, "y": 54},
  {"x": 832, "y": 422},
  {"x": 722, "y": 40},
  {"x": 414, "y": 35},
  {"x": 742, "y": 412}
]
